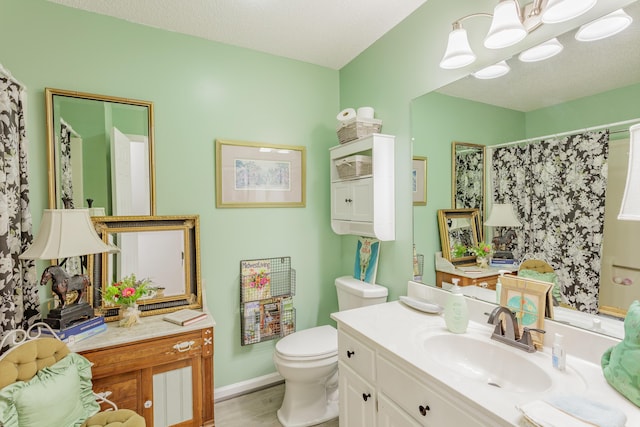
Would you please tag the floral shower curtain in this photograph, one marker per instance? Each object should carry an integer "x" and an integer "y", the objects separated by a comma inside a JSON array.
[
  {"x": 66, "y": 182},
  {"x": 557, "y": 188},
  {"x": 19, "y": 302}
]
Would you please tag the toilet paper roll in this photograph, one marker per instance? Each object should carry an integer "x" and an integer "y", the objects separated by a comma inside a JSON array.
[
  {"x": 365, "y": 113},
  {"x": 346, "y": 114}
]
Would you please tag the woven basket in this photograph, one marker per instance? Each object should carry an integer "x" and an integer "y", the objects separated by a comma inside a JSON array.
[
  {"x": 353, "y": 166},
  {"x": 357, "y": 128}
]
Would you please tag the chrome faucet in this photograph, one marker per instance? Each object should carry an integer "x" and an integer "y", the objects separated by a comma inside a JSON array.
[{"x": 508, "y": 332}]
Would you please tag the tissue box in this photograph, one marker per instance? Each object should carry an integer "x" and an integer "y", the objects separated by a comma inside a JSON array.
[
  {"x": 353, "y": 166},
  {"x": 356, "y": 128}
]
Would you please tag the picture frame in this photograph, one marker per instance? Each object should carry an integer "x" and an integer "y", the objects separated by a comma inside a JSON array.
[
  {"x": 255, "y": 174},
  {"x": 419, "y": 181},
  {"x": 529, "y": 299}
]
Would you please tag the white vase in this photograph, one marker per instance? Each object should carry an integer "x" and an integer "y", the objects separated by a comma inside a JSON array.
[
  {"x": 129, "y": 315},
  {"x": 482, "y": 261}
]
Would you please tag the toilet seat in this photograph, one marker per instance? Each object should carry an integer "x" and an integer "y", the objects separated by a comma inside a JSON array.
[{"x": 309, "y": 344}]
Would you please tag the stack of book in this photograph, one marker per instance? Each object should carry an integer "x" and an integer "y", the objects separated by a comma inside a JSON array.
[
  {"x": 79, "y": 330},
  {"x": 503, "y": 262}
]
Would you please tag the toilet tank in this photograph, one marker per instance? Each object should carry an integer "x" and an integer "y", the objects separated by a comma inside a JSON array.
[{"x": 353, "y": 293}]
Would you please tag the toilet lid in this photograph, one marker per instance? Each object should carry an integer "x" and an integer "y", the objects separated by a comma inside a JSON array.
[{"x": 318, "y": 341}]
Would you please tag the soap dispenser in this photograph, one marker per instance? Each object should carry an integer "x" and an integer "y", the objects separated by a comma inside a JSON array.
[
  {"x": 499, "y": 284},
  {"x": 456, "y": 313}
]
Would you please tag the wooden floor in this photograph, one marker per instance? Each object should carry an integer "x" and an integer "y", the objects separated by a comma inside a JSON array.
[{"x": 257, "y": 409}]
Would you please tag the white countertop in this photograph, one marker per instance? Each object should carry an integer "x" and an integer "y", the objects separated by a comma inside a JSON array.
[
  {"x": 403, "y": 331},
  {"x": 149, "y": 327}
]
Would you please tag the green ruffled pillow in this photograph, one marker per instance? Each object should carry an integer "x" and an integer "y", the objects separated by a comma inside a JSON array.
[
  {"x": 60, "y": 395},
  {"x": 550, "y": 277}
]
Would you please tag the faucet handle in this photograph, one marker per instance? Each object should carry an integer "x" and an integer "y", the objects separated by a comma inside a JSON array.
[{"x": 526, "y": 335}]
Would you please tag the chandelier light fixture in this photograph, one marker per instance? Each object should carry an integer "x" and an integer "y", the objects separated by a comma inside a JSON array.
[{"x": 511, "y": 23}]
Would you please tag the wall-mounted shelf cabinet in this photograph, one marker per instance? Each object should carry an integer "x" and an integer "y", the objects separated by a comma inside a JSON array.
[{"x": 363, "y": 201}]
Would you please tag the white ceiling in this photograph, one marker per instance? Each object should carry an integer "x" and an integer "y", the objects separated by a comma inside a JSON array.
[{"x": 329, "y": 33}]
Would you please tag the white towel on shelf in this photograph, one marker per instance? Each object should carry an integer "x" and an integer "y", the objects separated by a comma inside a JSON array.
[{"x": 572, "y": 411}]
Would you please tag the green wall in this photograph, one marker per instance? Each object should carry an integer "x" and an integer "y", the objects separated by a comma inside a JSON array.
[{"x": 201, "y": 91}]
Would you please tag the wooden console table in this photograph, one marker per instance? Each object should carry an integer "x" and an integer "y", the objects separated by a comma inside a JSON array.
[
  {"x": 154, "y": 367},
  {"x": 485, "y": 278}
]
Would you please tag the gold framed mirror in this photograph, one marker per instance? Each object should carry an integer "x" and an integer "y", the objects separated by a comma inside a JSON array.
[
  {"x": 458, "y": 227},
  {"x": 163, "y": 249},
  {"x": 100, "y": 148},
  {"x": 467, "y": 177}
]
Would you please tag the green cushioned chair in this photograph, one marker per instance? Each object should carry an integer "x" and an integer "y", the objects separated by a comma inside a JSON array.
[{"x": 42, "y": 383}]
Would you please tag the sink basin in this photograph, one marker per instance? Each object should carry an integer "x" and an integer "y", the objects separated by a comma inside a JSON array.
[{"x": 488, "y": 362}]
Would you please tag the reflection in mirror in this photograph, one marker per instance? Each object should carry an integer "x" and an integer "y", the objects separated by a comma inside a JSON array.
[
  {"x": 100, "y": 153},
  {"x": 467, "y": 178},
  {"x": 588, "y": 84},
  {"x": 164, "y": 249},
  {"x": 458, "y": 231}
]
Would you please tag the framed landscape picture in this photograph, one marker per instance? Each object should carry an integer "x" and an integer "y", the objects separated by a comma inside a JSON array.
[
  {"x": 419, "y": 180},
  {"x": 252, "y": 174}
]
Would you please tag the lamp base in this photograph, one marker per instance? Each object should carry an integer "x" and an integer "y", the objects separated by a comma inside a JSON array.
[{"x": 63, "y": 318}]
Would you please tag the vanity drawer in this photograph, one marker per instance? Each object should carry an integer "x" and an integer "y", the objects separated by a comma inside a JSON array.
[
  {"x": 357, "y": 356},
  {"x": 424, "y": 404}
]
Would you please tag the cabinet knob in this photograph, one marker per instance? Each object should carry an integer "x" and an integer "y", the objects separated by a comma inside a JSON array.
[
  {"x": 366, "y": 396},
  {"x": 350, "y": 353},
  {"x": 424, "y": 409},
  {"x": 148, "y": 404}
]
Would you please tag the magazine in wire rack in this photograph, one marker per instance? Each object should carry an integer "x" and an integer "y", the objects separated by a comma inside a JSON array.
[{"x": 266, "y": 289}]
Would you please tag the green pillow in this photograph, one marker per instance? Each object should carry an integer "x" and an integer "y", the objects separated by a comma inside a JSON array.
[
  {"x": 550, "y": 277},
  {"x": 60, "y": 395}
]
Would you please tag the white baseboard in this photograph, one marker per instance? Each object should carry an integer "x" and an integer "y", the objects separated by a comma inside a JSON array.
[{"x": 248, "y": 386}]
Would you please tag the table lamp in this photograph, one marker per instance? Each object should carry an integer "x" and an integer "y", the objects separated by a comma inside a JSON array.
[
  {"x": 66, "y": 233},
  {"x": 502, "y": 215}
]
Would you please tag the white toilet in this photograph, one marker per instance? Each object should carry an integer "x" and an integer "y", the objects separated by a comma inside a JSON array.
[{"x": 308, "y": 360}]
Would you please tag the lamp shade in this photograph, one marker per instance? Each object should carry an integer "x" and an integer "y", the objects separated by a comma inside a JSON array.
[
  {"x": 563, "y": 10},
  {"x": 458, "y": 53},
  {"x": 604, "y": 27},
  {"x": 493, "y": 71},
  {"x": 65, "y": 233},
  {"x": 542, "y": 51},
  {"x": 630, "y": 209},
  {"x": 502, "y": 215},
  {"x": 506, "y": 27}
]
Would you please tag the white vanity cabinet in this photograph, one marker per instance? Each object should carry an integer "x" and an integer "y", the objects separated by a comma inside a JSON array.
[
  {"x": 363, "y": 204},
  {"x": 378, "y": 389},
  {"x": 356, "y": 362}
]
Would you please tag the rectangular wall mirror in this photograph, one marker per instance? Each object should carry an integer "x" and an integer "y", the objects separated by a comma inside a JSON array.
[
  {"x": 100, "y": 148},
  {"x": 458, "y": 228},
  {"x": 163, "y": 249}
]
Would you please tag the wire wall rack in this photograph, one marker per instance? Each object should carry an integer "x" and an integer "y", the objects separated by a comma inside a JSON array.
[{"x": 267, "y": 287}]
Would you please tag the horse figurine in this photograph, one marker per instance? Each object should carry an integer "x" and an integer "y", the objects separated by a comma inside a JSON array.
[{"x": 62, "y": 282}]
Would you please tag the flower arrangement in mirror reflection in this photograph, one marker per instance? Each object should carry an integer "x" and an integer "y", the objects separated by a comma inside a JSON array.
[{"x": 482, "y": 249}]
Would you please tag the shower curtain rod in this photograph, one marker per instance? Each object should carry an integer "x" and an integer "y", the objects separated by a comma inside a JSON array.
[
  {"x": 555, "y": 135},
  {"x": 73, "y": 131},
  {"x": 8, "y": 75}
]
